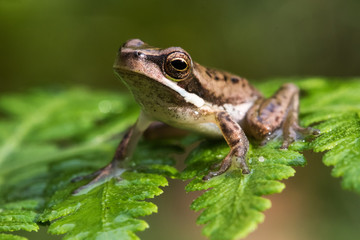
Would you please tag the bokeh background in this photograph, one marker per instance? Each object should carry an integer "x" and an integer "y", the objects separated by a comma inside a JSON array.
[{"x": 74, "y": 42}]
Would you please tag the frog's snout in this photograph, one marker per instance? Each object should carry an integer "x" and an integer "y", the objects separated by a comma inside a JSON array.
[
  {"x": 133, "y": 43},
  {"x": 129, "y": 54}
]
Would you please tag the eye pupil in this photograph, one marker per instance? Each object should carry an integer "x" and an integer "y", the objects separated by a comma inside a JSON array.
[{"x": 179, "y": 64}]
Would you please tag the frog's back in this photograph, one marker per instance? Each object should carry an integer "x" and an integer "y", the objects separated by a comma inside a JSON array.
[{"x": 219, "y": 87}]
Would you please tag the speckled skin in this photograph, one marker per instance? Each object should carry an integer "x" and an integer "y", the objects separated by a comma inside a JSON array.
[{"x": 173, "y": 89}]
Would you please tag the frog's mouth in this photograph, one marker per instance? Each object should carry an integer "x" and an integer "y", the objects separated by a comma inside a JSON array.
[
  {"x": 125, "y": 73},
  {"x": 126, "y": 62},
  {"x": 119, "y": 65},
  {"x": 121, "y": 68}
]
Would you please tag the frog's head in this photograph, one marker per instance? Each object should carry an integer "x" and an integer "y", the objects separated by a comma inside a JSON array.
[
  {"x": 153, "y": 74},
  {"x": 137, "y": 57}
]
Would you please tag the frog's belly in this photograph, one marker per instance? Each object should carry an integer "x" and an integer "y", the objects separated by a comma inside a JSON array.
[
  {"x": 199, "y": 121},
  {"x": 209, "y": 129}
]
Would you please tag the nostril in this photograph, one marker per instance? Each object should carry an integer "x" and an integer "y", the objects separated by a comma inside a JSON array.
[{"x": 133, "y": 43}]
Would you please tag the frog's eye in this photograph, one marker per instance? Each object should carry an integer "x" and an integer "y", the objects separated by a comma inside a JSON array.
[{"x": 177, "y": 66}]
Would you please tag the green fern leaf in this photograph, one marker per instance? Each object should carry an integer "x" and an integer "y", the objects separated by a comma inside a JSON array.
[
  {"x": 4, "y": 236},
  {"x": 16, "y": 216},
  {"x": 48, "y": 138},
  {"x": 334, "y": 108},
  {"x": 111, "y": 209},
  {"x": 233, "y": 203},
  {"x": 41, "y": 123}
]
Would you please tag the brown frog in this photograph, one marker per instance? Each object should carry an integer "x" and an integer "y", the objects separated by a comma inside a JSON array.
[{"x": 173, "y": 89}]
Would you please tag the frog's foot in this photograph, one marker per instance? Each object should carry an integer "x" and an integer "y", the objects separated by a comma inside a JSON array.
[
  {"x": 289, "y": 133},
  {"x": 270, "y": 137},
  {"x": 215, "y": 166},
  {"x": 101, "y": 176},
  {"x": 225, "y": 165}
]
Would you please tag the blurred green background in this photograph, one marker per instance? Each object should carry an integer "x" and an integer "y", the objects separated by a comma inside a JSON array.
[{"x": 74, "y": 42}]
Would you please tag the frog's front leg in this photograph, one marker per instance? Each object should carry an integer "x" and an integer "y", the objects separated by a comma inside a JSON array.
[
  {"x": 123, "y": 153},
  {"x": 280, "y": 112},
  {"x": 236, "y": 139}
]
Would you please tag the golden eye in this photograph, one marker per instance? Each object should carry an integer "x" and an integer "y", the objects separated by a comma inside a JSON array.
[{"x": 177, "y": 66}]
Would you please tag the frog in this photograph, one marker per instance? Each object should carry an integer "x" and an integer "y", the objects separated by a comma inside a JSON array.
[{"x": 173, "y": 89}]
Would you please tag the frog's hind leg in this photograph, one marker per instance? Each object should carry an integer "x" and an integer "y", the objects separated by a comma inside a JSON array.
[
  {"x": 279, "y": 112},
  {"x": 290, "y": 130},
  {"x": 290, "y": 126}
]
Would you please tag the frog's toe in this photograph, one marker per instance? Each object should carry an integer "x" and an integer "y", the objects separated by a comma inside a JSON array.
[
  {"x": 286, "y": 143},
  {"x": 102, "y": 176},
  {"x": 226, "y": 163},
  {"x": 209, "y": 176},
  {"x": 307, "y": 131},
  {"x": 224, "y": 166},
  {"x": 91, "y": 175},
  {"x": 265, "y": 141},
  {"x": 270, "y": 137},
  {"x": 316, "y": 132},
  {"x": 291, "y": 134},
  {"x": 215, "y": 166}
]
